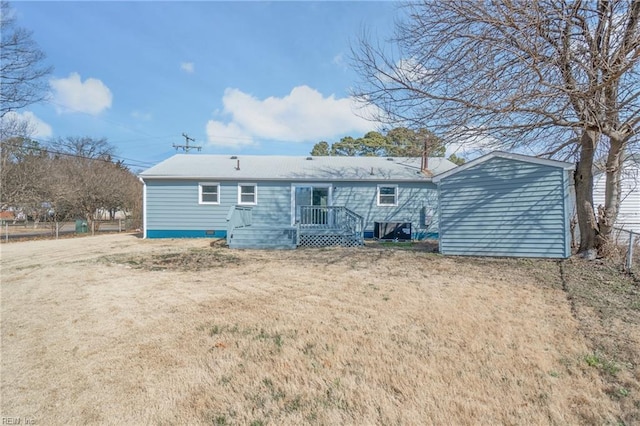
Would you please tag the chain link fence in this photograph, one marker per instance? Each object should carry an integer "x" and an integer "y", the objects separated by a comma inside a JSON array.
[
  {"x": 20, "y": 230},
  {"x": 627, "y": 249}
]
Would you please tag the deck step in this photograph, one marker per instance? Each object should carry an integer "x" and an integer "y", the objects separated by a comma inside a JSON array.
[{"x": 263, "y": 237}]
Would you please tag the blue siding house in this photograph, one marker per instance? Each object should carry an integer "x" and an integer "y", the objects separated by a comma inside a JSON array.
[
  {"x": 284, "y": 202},
  {"x": 506, "y": 205}
]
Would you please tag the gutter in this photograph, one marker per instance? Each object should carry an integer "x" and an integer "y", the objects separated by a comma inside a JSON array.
[{"x": 293, "y": 179}]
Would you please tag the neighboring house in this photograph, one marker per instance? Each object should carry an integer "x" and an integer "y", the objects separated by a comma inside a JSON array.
[
  {"x": 506, "y": 205},
  {"x": 110, "y": 214},
  {"x": 284, "y": 201},
  {"x": 221, "y": 195},
  {"x": 629, "y": 212},
  {"x": 7, "y": 216}
]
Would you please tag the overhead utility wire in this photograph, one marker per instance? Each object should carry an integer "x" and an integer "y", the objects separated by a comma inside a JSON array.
[{"x": 133, "y": 163}]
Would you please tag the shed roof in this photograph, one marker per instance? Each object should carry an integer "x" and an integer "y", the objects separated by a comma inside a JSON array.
[
  {"x": 499, "y": 154},
  {"x": 256, "y": 167}
]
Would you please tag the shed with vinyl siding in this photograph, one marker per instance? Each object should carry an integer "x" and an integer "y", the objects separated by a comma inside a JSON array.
[{"x": 506, "y": 204}]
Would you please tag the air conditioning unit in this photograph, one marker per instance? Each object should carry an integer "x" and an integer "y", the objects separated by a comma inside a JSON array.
[{"x": 392, "y": 231}]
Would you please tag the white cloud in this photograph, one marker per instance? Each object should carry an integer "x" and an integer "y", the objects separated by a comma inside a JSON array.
[
  {"x": 188, "y": 67},
  {"x": 142, "y": 116},
  {"x": 71, "y": 94},
  {"x": 35, "y": 127},
  {"x": 303, "y": 115},
  {"x": 339, "y": 61},
  {"x": 470, "y": 145},
  {"x": 409, "y": 71}
]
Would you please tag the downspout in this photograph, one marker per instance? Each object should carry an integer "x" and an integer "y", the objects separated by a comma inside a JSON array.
[
  {"x": 144, "y": 208},
  {"x": 439, "y": 213},
  {"x": 569, "y": 208}
]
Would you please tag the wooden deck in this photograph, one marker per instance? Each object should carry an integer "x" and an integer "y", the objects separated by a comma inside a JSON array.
[
  {"x": 282, "y": 237},
  {"x": 319, "y": 227}
]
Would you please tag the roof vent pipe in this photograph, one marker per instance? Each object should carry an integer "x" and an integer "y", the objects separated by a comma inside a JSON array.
[
  {"x": 238, "y": 166},
  {"x": 371, "y": 172}
]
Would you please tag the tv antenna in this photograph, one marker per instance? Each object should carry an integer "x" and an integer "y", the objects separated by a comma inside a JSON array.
[{"x": 186, "y": 147}]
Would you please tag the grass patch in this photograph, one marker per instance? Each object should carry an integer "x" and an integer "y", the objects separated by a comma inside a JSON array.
[
  {"x": 276, "y": 338},
  {"x": 605, "y": 302},
  {"x": 22, "y": 268},
  {"x": 600, "y": 362}
]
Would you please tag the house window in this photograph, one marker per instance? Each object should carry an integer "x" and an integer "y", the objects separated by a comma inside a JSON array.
[
  {"x": 247, "y": 193},
  {"x": 209, "y": 193},
  {"x": 387, "y": 195}
]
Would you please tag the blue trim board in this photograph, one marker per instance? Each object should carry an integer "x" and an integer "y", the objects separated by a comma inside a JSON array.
[
  {"x": 197, "y": 233},
  {"x": 171, "y": 233},
  {"x": 424, "y": 235}
]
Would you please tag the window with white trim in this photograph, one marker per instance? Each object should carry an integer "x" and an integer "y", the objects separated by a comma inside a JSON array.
[
  {"x": 209, "y": 193},
  {"x": 387, "y": 195},
  {"x": 247, "y": 193}
]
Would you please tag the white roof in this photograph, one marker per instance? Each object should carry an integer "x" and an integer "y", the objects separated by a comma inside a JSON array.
[
  {"x": 256, "y": 167},
  {"x": 507, "y": 155}
]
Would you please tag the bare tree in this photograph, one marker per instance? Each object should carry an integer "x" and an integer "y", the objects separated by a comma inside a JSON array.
[
  {"x": 24, "y": 174},
  {"x": 560, "y": 78},
  {"x": 24, "y": 168},
  {"x": 87, "y": 147},
  {"x": 85, "y": 186},
  {"x": 88, "y": 180},
  {"x": 22, "y": 72},
  {"x": 74, "y": 177}
]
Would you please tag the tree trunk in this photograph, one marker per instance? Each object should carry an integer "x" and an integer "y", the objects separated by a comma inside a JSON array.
[
  {"x": 584, "y": 195},
  {"x": 608, "y": 213}
]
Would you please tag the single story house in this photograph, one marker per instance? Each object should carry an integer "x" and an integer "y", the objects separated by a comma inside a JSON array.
[
  {"x": 286, "y": 201},
  {"x": 506, "y": 204}
]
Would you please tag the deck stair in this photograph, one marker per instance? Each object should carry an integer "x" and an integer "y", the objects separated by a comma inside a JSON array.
[{"x": 263, "y": 237}]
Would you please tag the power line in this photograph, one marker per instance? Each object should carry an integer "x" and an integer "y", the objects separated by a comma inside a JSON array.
[
  {"x": 132, "y": 163},
  {"x": 139, "y": 163}
]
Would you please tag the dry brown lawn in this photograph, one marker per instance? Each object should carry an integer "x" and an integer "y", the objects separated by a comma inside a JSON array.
[{"x": 115, "y": 329}]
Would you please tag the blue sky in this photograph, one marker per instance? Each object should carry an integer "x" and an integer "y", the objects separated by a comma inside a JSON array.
[{"x": 239, "y": 77}]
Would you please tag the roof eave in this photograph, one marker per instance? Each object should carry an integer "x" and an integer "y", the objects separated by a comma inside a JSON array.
[
  {"x": 280, "y": 179},
  {"x": 499, "y": 154}
]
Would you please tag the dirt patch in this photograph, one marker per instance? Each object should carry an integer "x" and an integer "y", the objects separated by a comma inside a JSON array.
[{"x": 189, "y": 260}]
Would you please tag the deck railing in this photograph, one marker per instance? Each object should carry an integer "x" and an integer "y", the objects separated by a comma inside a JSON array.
[
  {"x": 331, "y": 218},
  {"x": 238, "y": 217},
  {"x": 355, "y": 222}
]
